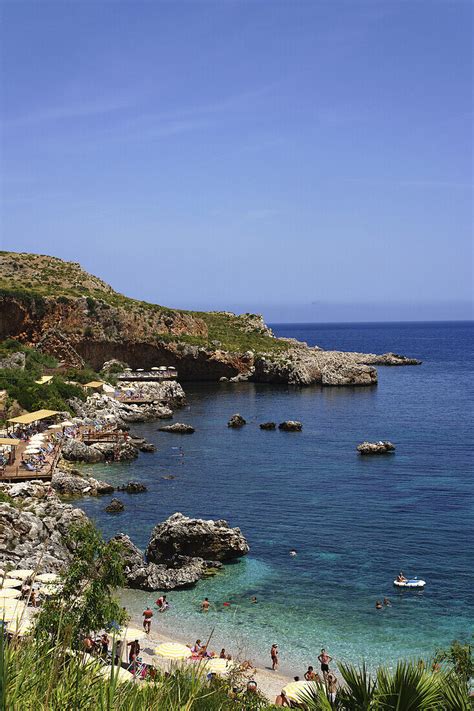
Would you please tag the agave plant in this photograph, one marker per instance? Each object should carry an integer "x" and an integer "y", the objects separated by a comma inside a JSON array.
[
  {"x": 358, "y": 692},
  {"x": 409, "y": 688}
]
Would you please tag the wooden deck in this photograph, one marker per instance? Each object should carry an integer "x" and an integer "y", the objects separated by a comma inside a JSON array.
[{"x": 15, "y": 472}]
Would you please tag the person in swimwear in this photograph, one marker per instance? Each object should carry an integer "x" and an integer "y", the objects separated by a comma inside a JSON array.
[
  {"x": 401, "y": 578},
  {"x": 324, "y": 659},
  {"x": 274, "y": 656}
]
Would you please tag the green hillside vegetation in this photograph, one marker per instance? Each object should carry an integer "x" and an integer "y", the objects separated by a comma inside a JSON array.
[
  {"x": 33, "y": 278},
  {"x": 22, "y": 388}
]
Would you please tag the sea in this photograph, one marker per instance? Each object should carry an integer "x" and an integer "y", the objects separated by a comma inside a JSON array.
[{"x": 354, "y": 521}]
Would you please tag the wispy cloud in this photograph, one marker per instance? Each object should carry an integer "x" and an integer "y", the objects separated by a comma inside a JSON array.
[{"x": 63, "y": 112}]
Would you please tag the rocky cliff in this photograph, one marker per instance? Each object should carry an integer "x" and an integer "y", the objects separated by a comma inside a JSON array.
[{"x": 59, "y": 308}]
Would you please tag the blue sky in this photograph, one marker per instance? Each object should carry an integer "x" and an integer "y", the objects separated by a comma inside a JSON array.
[{"x": 311, "y": 160}]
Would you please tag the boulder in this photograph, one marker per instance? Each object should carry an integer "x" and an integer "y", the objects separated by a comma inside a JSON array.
[
  {"x": 115, "y": 506},
  {"x": 133, "y": 487},
  {"x": 376, "y": 447},
  {"x": 72, "y": 483},
  {"x": 123, "y": 452},
  {"x": 147, "y": 447},
  {"x": 177, "y": 428},
  {"x": 196, "y": 538},
  {"x": 290, "y": 426},
  {"x": 268, "y": 426},
  {"x": 132, "y": 556},
  {"x": 74, "y": 450},
  {"x": 236, "y": 421},
  {"x": 114, "y": 366}
]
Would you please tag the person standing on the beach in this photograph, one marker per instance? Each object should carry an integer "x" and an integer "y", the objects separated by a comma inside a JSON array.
[
  {"x": 324, "y": 659},
  {"x": 274, "y": 656},
  {"x": 147, "y": 615},
  {"x": 331, "y": 685},
  {"x": 205, "y": 605}
]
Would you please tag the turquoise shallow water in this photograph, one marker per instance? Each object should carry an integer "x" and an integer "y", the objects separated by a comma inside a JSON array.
[{"x": 354, "y": 521}]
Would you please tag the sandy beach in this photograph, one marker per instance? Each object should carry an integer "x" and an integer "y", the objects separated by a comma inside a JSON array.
[{"x": 270, "y": 683}]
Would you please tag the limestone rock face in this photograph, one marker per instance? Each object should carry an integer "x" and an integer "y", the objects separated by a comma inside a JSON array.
[
  {"x": 376, "y": 447},
  {"x": 14, "y": 361},
  {"x": 115, "y": 506},
  {"x": 177, "y": 428},
  {"x": 268, "y": 426},
  {"x": 108, "y": 410},
  {"x": 236, "y": 421},
  {"x": 75, "y": 451},
  {"x": 353, "y": 374},
  {"x": 35, "y": 534},
  {"x": 114, "y": 365},
  {"x": 161, "y": 577},
  {"x": 123, "y": 452},
  {"x": 73, "y": 484},
  {"x": 290, "y": 426},
  {"x": 180, "y": 535}
]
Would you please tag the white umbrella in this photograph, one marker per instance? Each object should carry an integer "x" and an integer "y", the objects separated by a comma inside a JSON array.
[
  {"x": 49, "y": 589},
  {"x": 9, "y": 593},
  {"x": 219, "y": 666},
  {"x": 67, "y": 423},
  {"x": 32, "y": 449},
  {"x": 11, "y": 583},
  {"x": 20, "y": 573},
  {"x": 12, "y": 605},
  {"x": 139, "y": 370},
  {"x": 163, "y": 367},
  {"x": 54, "y": 427},
  {"x": 47, "y": 577},
  {"x": 118, "y": 672},
  {"x": 20, "y": 627},
  {"x": 155, "y": 368}
]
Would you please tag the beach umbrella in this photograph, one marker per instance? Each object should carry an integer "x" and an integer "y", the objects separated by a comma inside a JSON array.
[
  {"x": 295, "y": 689},
  {"x": 20, "y": 573},
  {"x": 47, "y": 577},
  {"x": 11, "y": 615},
  {"x": 66, "y": 423},
  {"x": 173, "y": 650},
  {"x": 163, "y": 367},
  {"x": 32, "y": 449},
  {"x": 139, "y": 370},
  {"x": 119, "y": 673},
  {"x": 155, "y": 368},
  {"x": 131, "y": 633},
  {"x": 20, "y": 627},
  {"x": 9, "y": 593},
  {"x": 219, "y": 666},
  {"x": 54, "y": 427},
  {"x": 128, "y": 370},
  {"x": 49, "y": 589},
  {"x": 11, "y": 583},
  {"x": 18, "y": 607}
]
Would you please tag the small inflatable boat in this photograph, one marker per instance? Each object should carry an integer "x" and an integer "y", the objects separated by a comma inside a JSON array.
[{"x": 412, "y": 584}]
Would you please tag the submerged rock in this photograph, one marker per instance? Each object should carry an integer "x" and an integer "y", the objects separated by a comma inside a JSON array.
[
  {"x": 180, "y": 535},
  {"x": 115, "y": 506},
  {"x": 290, "y": 426},
  {"x": 268, "y": 426},
  {"x": 376, "y": 447},
  {"x": 147, "y": 447},
  {"x": 236, "y": 421},
  {"x": 177, "y": 428}
]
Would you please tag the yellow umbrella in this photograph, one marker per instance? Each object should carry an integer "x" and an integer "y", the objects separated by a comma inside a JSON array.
[
  {"x": 47, "y": 577},
  {"x": 12, "y": 583},
  {"x": 219, "y": 666},
  {"x": 10, "y": 592},
  {"x": 119, "y": 673},
  {"x": 173, "y": 650},
  {"x": 131, "y": 633},
  {"x": 295, "y": 689},
  {"x": 21, "y": 573}
]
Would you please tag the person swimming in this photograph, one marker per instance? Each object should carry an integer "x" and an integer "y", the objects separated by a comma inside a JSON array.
[
  {"x": 293, "y": 553},
  {"x": 378, "y": 605}
]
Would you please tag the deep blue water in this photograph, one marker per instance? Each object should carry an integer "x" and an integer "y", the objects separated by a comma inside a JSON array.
[{"x": 354, "y": 521}]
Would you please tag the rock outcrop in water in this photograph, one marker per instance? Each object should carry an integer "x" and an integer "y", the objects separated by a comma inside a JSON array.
[
  {"x": 180, "y": 552},
  {"x": 177, "y": 428},
  {"x": 290, "y": 426},
  {"x": 376, "y": 447},
  {"x": 73, "y": 483},
  {"x": 236, "y": 421},
  {"x": 268, "y": 426},
  {"x": 115, "y": 506}
]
